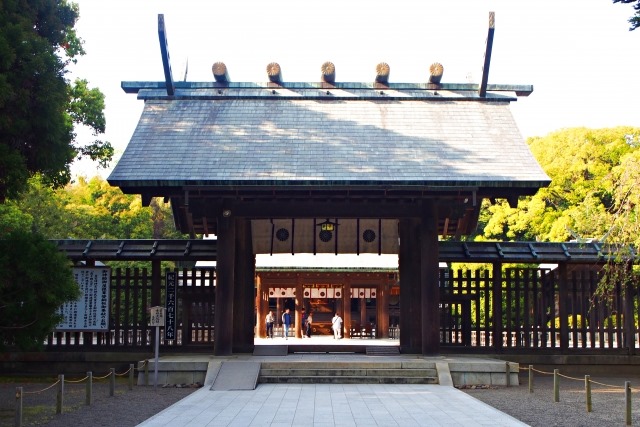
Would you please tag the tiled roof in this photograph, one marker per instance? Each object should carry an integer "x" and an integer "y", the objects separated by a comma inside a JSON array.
[{"x": 326, "y": 138}]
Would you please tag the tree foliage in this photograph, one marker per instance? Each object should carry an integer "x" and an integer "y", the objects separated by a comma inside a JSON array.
[
  {"x": 38, "y": 105},
  {"x": 36, "y": 280},
  {"x": 593, "y": 193},
  {"x": 634, "y": 20}
]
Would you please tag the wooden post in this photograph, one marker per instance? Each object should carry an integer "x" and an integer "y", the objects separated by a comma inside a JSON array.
[
  {"x": 382, "y": 306},
  {"x": 587, "y": 390},
  {"x": 563, "y": 297},
  {"x": 430, "y": 280},
  {"x": 18, "y": 413},
  {"x": 244, "y": 289},
  {"x": 131, "y": 369},
  {"x": 556, "y": 385},
  {"x": 530, "y": 378},
  {"x": 60, "y": 394},
  {"x": 627, "y": 399},
  {"x": 112, "y": 382},
  {"x": 261, "y": 324},
  {"x": 628, "y": 310},
  {"x": 497, "y": 306},
  {"x": 346, "y": 308},
  {"x": 409, "y": 262},
  {"x": 146, "y": 372},
  {"x": 299, "y": 302},
  {"x": 225, "y": 267},
  {"x": 89, "y": 390}
]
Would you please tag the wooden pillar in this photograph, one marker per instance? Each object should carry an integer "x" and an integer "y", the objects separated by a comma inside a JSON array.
[
  {"x": 430, "y": 281},
  {"x": 628, "y": 310},
  {"x": 382, "y": 309},
  {"x": 410, "y": 291},
  {"x": 363, "y": 311},
  {"x": 279, "y": 310},
  {"x": 563, "y": 285},
  {"x": 225, "y": 266},
  {"x": 498, "y": 341},
  {"x": 244, "y": 289},
  {"x": 299, "y": 301},
  {"x": 261, "y": 308},
  {"x": 346, "y": 308}
]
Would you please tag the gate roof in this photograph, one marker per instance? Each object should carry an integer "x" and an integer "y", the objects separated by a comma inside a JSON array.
[{"x": 275, "y": 149}]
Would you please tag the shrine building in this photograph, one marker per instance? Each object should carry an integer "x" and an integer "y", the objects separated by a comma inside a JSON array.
[{"x": 325, "y": 166}]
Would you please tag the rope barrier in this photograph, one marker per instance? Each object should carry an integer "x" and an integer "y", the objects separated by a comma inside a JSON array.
[
  {"x": 76, "y": 381},
  {"x": 44, "y": 389},
  {"x": 570, "y": 378},
  {"x": 102, "y": 378},
  {"x": 143, "y": 365},
  {"x": 542, "y": 372},
  {"x": 124, "y": 373}
]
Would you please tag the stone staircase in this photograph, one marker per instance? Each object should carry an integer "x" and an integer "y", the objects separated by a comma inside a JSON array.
[{"x": 356, "y": 372}]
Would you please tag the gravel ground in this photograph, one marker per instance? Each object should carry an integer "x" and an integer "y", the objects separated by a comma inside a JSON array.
[{"x": 130, "y": 407}]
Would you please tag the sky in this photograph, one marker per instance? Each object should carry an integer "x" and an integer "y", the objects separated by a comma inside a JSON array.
[{"x": 579, "y": 55}]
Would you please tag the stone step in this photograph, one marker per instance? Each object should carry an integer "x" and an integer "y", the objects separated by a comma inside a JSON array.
[
  {"x": 400, "y": 364},
  {"x": 346, "y": 380},
  {"x": 394, "y": 373}
]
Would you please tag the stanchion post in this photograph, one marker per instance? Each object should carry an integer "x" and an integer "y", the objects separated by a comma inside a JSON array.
[
  {"x": 556, "y": 386},
  {"x": 89, "y": 398},
  {"x": 60, "y": 394},
  {"x": 530, "y": 378},
  {"x": 146, "y": 372},
  {"x": 131, "y": 376},
  {"x": 507, "y": 370},
  {"x": 18, "y": 417},
  {"x": 627, "y": 397},
  {"x": 587, "y": 390},
  {"x": 112, "y": 382}
]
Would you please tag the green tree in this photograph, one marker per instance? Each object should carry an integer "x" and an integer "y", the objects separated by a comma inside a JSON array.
[
  {"x": 634, "y": 20},
  {"x": 585, "y": 198},
  {"x": 36, "y": 280},
  {"x": 38, "y": 105}
]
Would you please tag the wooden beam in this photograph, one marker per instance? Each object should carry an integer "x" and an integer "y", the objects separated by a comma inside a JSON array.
[
  {"x": 164, "y": 51},
  {"x": 274, "y": 72},
  {"x": 328, "y": 72},
  {"x": 219, "y": 70},
  {"x": 482, "y": 91},
  {"x": 382, "y": 73},
  {"x": 435, "y": 73}
]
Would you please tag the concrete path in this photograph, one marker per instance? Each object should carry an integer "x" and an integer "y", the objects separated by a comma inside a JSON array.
[{"x": 332, "y": 405}]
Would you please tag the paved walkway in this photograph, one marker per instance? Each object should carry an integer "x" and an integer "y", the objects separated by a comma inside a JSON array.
[{"x": 332, "y": 405}]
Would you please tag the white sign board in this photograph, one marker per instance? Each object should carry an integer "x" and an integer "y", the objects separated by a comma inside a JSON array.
[
  {"x": 90, "y": 312},
  {"x": 157, "y": 316}
]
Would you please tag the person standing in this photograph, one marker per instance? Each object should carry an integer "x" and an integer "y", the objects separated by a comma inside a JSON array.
[
  {"x": 270, "y": 320},
  {"x": 286, "y": 323},
  {"x": 303, "y": 329},
  {"x": 308, "y": 325},
  {"x": 336, "y": 325}
]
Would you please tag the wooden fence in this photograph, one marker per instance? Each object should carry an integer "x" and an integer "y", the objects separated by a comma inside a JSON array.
[{"x": 529, "y": 308}]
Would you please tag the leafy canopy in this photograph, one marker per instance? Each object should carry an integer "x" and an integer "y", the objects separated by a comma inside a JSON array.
[
  {"x": 38, "y": 105},
  {"x": 634, "y": 20}
]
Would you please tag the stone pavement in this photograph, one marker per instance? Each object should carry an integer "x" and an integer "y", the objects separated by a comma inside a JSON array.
[{"x": 332, "y": 405}]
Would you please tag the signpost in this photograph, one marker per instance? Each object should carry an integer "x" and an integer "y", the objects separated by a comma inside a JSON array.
[{"x": 157, "y": 320}]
